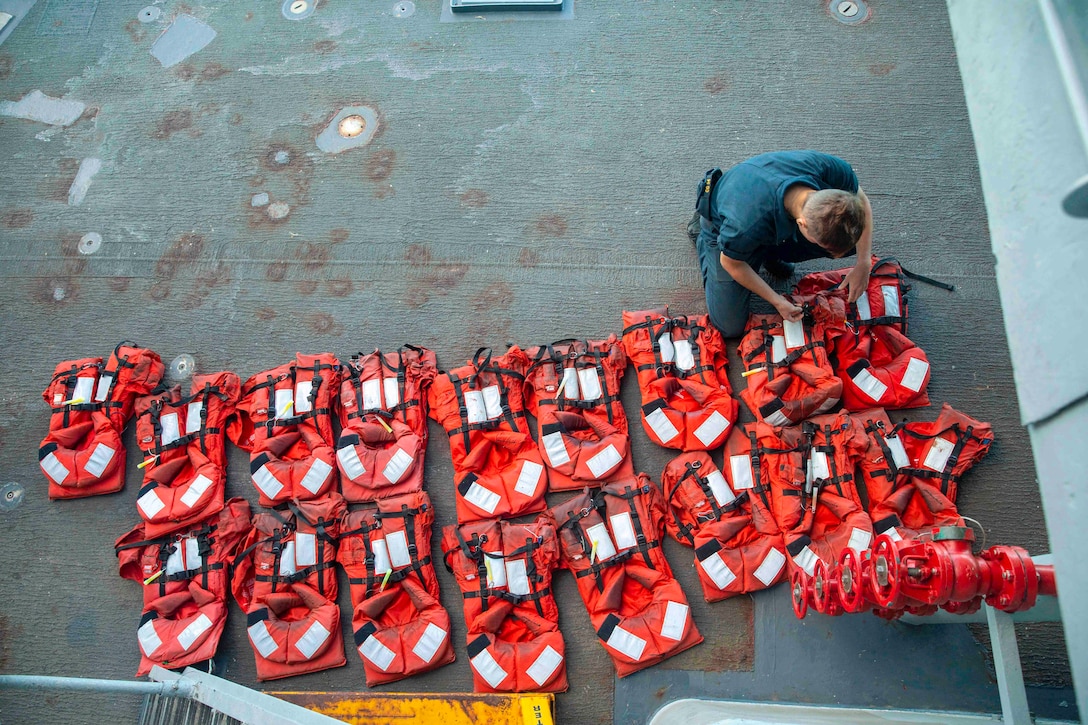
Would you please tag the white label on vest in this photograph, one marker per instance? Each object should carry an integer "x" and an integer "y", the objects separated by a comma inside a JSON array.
[
  {"x": 305, "y": 549},
  {"x": 83, "y": 390},
  {"x": 859, "y": 539},
  {"x": 795, "y": 333},
  {"x": 685, "y": 360},
  {"x": 517, "y": 581},
  {"x": 148, "y": 637},
  {"x": 626, "y": 643},
  {"x": 777, "y": 418},
  {"x": 893, "y": 533},
  {"x": 432, "y": 638},
  {"x": 150, "y": 504},
  {"x": 350, "y": 463},
  {"x": 668, "y": 352},
  {"x": 381, "y": 557},
  {"x": 623, "y": 530},
  {"x": 317, "y": 475},
  {"x": 715, "y": 568},
  {"x": 487, "y": 668},
  {"x": 474, "y": 405},
  {"x": 599, "y": 538},
  {"x": 899, "y": 453},
  {"x": 590, "y": 384},
  {"x": 170, "y": 432},
  {"x": 495, "y": 566},
  {"x": 398, "y": 464},
  {"x": 176, "y": 561},
  {"x": 529, "y": 478},
  {"x": 262, "y": 639},
  {"x": 869, "y": 384},
  {"x": 818, "y": 468},
  {"x": 778, "y": 348},
  {"x": 675, "y": 622},
  {"x": 604, "y": 462},
  {"x": 392, "y": 392},
  {"x": 661, "y": 425},
  {"x": 570, "y": 384},
  {"x": 303, "y": 388},
  {"x": 397, "y": 541},
  {"x": 545, "y": 666},
  {"x": 741, "y": 468},
  {"x": 556, "y": 449},
  {"x": 54, "y": 468},
  {"x": 196, "y": 489},
  {"x": 312, "y": 640},
  {"x": 377, "y": 653},
  {"x": 806, "y": 559},
  {"x": 864, "y": 313},
  {"x": 771, "y": 567},
  {"x": 372, "y": 394},
  {"x": 711, "y": 428},
  {"x": 99, "y": 459},
  {"x": 103, "y": 390},
  {"x": 890, "y": 293},
  {"x": 287, "y": 559},
  {"x": 915, "y": 374},
  {"x": 192, "y": 416},
  {"x": 193, "y": 559},
  {"x": 197, "y": 627},
  {"x": 285, "y": 403},
  {"x": 492, "y": 402},
  {"x": 723, "y": 495},
  {"x": 266, "y": 482},
  {"x": 482, "y": 498},
  {"x": 937, "y": 456}
]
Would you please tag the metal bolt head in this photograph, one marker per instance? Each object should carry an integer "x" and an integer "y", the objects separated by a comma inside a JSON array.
[
  {"x": 351, "y": 126},
  {"x": 1007, "y": 576},
  {"x": 847, "y": 8}
]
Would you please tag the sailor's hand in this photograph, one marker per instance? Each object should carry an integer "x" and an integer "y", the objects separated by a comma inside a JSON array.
[
  {"x": 788, "y": 310},
  {"x": 856, "y": 280}
]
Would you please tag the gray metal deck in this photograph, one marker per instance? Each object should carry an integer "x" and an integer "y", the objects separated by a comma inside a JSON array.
[{"x": 529, "y": 179}]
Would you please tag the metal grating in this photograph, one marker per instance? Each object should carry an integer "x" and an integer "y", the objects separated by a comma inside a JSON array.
[{"x": 159, "y": 710}]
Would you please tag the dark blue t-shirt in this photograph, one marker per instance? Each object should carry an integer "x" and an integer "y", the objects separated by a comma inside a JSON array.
[{"x": 747, "y": 204}]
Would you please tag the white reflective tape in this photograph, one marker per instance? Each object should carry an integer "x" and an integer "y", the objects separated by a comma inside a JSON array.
[
  {"x": 54, "y": 468},
  {"x": 317, "y": 475},
  {"x": 859, "y": 539},
  {"x": 428, "y": 643},
  {"x": 778, "y": 348},
  {"x": 197, "y": 627},
  {"x": 623, "y": 530},
  {"x": 392, "y": 392},
  {"x": 397, "y": 541},
  {"x": 474, "y": 405},
  {"x": 685, "y": 359},
  {"x": 303, "y": 388},
  {"x": 890, "y": 292},
  {"x": 100, "y": 458},
  {"x": 772, "y": 565},
  {"x": 544, "y": 666},
  {"x": 170, "y": 430},
  {"x": 675, "y": 621},
  {"x": 590, "y": 384},
  {"x": 193, "y": 559},
  {"x": 714, "y": 566},
  {"x": 794, "y": 332},
  {"x": 482, "y": 498},
  {"x": 894, "y": 534},
  {"x": 287, "y": 559},
  {"x": 517, "y": 581},
  {"x": 818, "y": 468},
  {"x": 496, "y": 569},
  {"x": 915, "y": 374},
  {"x": 806, "y": 559},
  {"x": 84, "y": 389},
  {"x": 58, "y": 398},
  {"x": 382, "y": 566},
  {"x": 529, "y": 478},
  {"x": 176, "y": 561},
  {"x": 723, "y": 495},
  {"x": 555, "y": 448},
  {"x": 777, "y": 418},
  {"x": 312, "y": 640},
  {"x": 377, "y": 653},
  {"x": 268, "y": 484},
  {"x": 864, "y": 313},
  {"x": 626, "y": 643},
  {"x": 938, "y": 453},
  {"x": 899, "y": 453},
  {"x": 192, "y": 416},
  {"x": 604, "y": 462},
  {"x": 305, "y": 549},
  {"x": 827, "y": 405},
  {"x": 869, "y": 384},
  {"x": 492, "y": 402},
  {"x": 148, "y": 637},
  {"x": 599, "y": 538},
  {"x": 350, "y": 463},
  {"x": 668, "y": 351},
  {"x": 285, "y": 403},
  {"x": 743, "y": 475},
  {"x": 103, "y": 390},
  {"x": 196, "y": 489},
  {"x": 372, "y": 394},
  {"x": 661, "y": 425},
  {"x": 711, "y": 428},
  {"x": 487, "y": 668},
  {"x": 570, "y": 384},
  {"x": 398, "y": 464},
  {"x": 262, "y": 639},
  {"x": 150, "y": 504}
]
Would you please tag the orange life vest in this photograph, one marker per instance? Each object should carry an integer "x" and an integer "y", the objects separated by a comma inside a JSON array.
[
  {"x": 497, "y": 467},
  {"x": 680, "y": 362},
  {"x": 294, "y": 632}
]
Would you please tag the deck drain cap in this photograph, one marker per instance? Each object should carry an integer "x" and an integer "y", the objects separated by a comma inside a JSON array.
[
  {"x": 404, "y": 9},
  {"x": 11, "y": 495},
  {"x": 849, "y": 12},
  {"x": 89, "y": 243},
  {"x": 149, "y": 14},
  {"x": 182, "y": 367},
  {"x": 298, "y": 9}
]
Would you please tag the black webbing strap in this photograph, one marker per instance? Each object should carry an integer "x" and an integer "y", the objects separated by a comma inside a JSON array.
[
  {"x": 371, "y": 579},
  {"x": 876, "y": 433},
  {"x": 409, "y": 516},
  {"x": 644, "y": 545},
  {"x": 755, "y": 456},
  {"x": 656, "y": 329}
]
